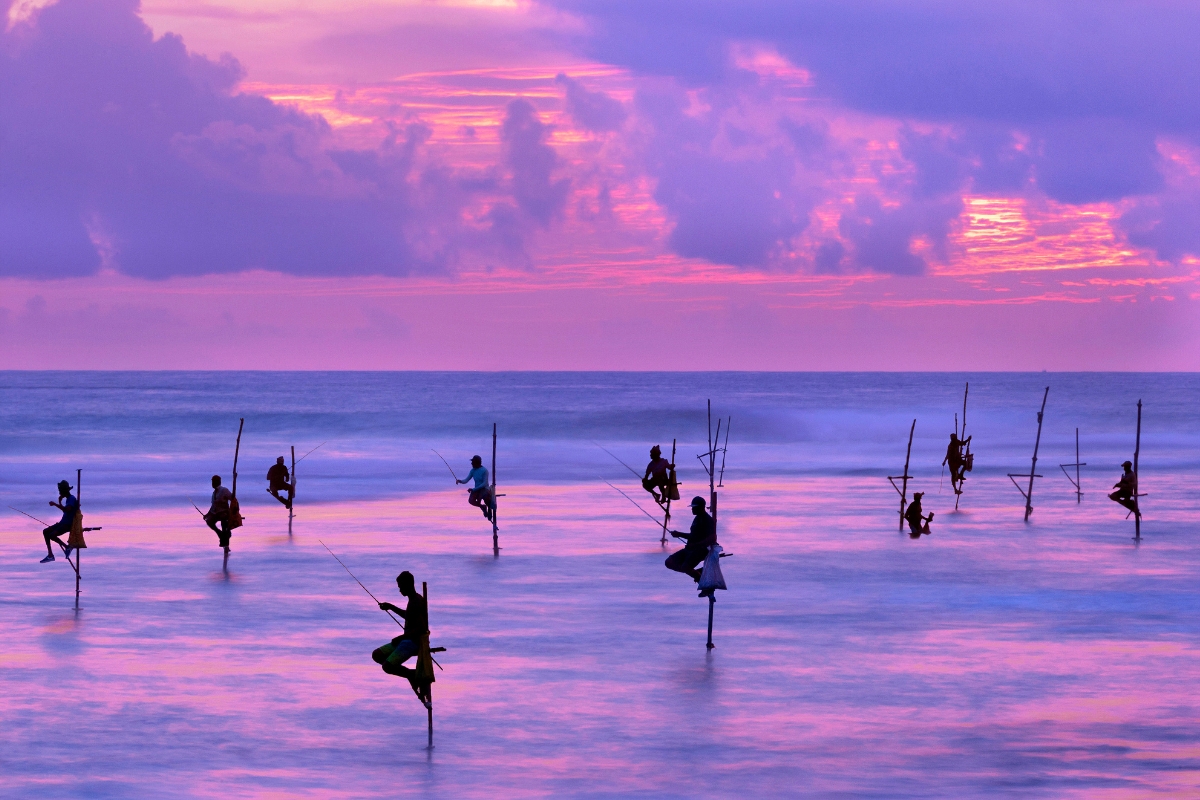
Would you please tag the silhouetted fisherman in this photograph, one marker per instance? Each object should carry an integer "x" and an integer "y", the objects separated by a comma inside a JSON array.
[
  {"x": 1125, "y": 489},
  {"x": 703, "y": 534},
  {"x": 70, "y": 507},
  {"x": 278, "y": 477},
  {"x": 481, "y": 495},
  {"x": 218, "y": 512},
  {"x": 957, "y": 461},
  {"x": 917, "y": 524},
  {"x": 392, "y": 655},
  {"x": 658, "y": 476}
]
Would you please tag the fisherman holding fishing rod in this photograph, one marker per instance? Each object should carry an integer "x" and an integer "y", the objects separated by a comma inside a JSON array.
[
  {"x": 657, "y": 478},
  {"x": 699, "y": 539},
  {"x": 219, "y": 513},
  {"x": 70, "y": 507},
  {"x": 481, "y": 495},
  {"x": 392, "y": 655}
]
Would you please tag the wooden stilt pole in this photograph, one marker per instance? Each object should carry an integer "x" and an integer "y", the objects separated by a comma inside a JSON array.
[
  {"x": 712, "y": 601},
  {"x": 79, "y": 551},
  {"x": 670, "y": 488},
  {"x": 966, "y": 450},
  {"x": 1137, "y": 450},
  {"x": 292, "y": 498},
  {"x": 1012, "y": 476},
  {"x": 495, "y": 501},
  {"x": 429, "y": 707},
  {"x": 1076, "y": 481},
  {"x": 902, "y": 490}
]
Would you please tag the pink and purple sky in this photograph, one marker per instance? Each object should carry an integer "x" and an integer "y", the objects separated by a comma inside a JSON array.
[{"x": 576, "y": 184}]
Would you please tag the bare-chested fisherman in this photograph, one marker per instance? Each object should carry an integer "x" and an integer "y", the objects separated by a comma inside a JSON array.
[
  {"x": 1126, "y": 489},
  {"x": 392, "y": 655},
  {"x": 658, "y": 476},
  {"x": 278, "y": 477},
  {"x": 481, "y": 495},
  {"x": 218, "y": 512},
  {"x": 70, "y": 507},
  {"x": 956, "y": 459}
]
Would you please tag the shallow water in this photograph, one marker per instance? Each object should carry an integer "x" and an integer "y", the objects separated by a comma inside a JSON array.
[{"x": 992, "y": 658}]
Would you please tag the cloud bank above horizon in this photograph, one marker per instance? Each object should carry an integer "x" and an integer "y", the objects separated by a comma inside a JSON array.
[{"x": 812, "y": 155}]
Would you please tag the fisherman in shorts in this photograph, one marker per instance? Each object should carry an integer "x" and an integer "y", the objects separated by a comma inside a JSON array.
[
  {"x": 1125, "y": 489},
  {"x": 703, "y": 534},
  {"x": 658, "y": 476},
  {"x": 278, "y": 477},
  {"x": 481, "y": 495},
  {"x": 70, "y": 507},
  {"x": 218, "y": 512},
  {"x": 391, "y": 656}
]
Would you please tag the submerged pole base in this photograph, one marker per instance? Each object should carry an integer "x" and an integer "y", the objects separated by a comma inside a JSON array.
[
  {"x": 430, "y": 710},
  {"x": 712, "y": 601}
]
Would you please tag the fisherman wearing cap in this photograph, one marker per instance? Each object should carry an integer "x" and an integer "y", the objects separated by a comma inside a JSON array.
[
  {"x": 1126, "y": 489},
  {"x": 702, "y": 535},
  {"x": 278, "y": 477},
  {"x": 658, "y": 475},
  {"x": 481, "y": 495},
  {"x": 917, "y": 524},
  {"x": 70, "y": 507},
  {"x": 218, "y": 512}
]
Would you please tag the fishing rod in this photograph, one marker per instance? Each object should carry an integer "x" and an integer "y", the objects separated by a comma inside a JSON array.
[
  {"x": 639, "y": 508},
  {"x": 31, "y": 516},
  {"x": 622, "y": 463},
  {"x": 198, "y": 511},
  {"x": 360, "y": 583},
  {"x": 447, "y": 463},
  {"x": 310, "y": 452}
]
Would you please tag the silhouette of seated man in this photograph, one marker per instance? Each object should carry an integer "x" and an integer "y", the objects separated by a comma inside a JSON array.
[
  {"x": 703, "y": 534},
  {"x": 278, "y": 477},
  {"x": 481, "y": 495},
  {"x": 658, "y": 476},
  {"x": 70, "y": 507},
  {"x": 391, "y": 656},
  {"x": 1126, "y": 489},
  {"x": 956, "y": 460},
  {"x": 917, "y": 523},
  {"x": 218, "y": 512}
]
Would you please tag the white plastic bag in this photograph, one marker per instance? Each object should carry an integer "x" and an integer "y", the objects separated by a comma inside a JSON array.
[{"x": 710, "y": 576}]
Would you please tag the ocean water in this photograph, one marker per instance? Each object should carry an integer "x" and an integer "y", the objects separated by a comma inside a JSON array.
[{"x": 995, "y": 657}]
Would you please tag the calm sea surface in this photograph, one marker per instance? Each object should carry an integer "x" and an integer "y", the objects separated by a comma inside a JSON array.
[{"x": 992, "y": 658}]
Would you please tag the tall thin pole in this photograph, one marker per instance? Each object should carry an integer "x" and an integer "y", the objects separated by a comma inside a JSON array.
[
  {"x": 429, "y": 708},
  {"x": 78, "y": 550},
  {"x": 1033, "y": 466},
  {"x": 670, "y": 489},
  {"x": 1137, "y": 449},
  {"x": 1079, "y": 488},
  {"x": 712, "y": 601},
  {"x": 292, "y": 499},
  {"x": 236, "y": 450},
  {"x": 495, "y": 501},
  {"x": 902, "y": 490}
]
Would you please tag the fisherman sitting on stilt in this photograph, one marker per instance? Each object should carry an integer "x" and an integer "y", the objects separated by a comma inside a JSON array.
[
  {"x": 917, "y": 524},
  {"x": 703, "y": 534},
  {"x": 392, "y": 655},
  {"x": 658, "y": 476},
  {"x": 1124, "y": 493},
  {"x": 219, "y": 513},
  {"x": 957, "y": 461},
  {"x": 70, "y": 507},
  {"x": 481, "y": 495},
  {"x": 278, "y": 477}
]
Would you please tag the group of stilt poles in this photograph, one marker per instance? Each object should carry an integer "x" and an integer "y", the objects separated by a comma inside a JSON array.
[
  {"x": 1012, "y": 476},
  {"x": 713, "y": 483},
  {"x": 902, "y": 489}
]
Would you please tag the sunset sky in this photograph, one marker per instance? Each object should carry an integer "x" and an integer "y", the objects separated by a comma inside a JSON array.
[{"x": 576, "y": 184}]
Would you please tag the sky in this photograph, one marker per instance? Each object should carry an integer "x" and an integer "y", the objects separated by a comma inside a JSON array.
[{"x": 573, "y": 184}]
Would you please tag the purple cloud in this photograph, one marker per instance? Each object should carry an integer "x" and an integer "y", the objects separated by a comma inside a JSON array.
[
  {"x": 127, "y": 151},
  {"x": 532, "y": 163},
  {"x": 592, "y": 111}
]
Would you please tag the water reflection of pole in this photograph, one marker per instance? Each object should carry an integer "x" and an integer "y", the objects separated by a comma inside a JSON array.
[
  {"x": 903, "y": 492},
  {"x": 1012, "y": 476}
]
